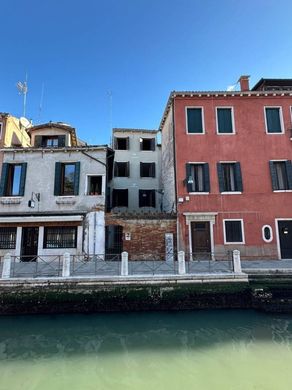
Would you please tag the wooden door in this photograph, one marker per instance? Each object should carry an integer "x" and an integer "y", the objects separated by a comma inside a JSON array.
[
  {"x": 29, "y": 243},
  {"x": 285, "y": 235},
  {"x": 201, "y": 241}
]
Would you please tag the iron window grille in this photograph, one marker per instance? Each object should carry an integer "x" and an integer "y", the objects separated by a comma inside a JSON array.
[
  {"x": 60, "y": 237},
  {"x": 7, "y": 237}
]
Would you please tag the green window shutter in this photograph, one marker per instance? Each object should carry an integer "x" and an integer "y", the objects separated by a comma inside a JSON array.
[
  {"x": 152, "y": 170},
  {"x": 76, "y": 178},
  {"x": 206, "y": 177},
  {"x": 238, "y": 178},
  {"x": 289, "y": 173},
  {"x": 61, "y": 141},
  {"x": 22, "y": 179},
  {"x": 220, "y": 177},
  {"x": 38, "y": 141},
  {"x": 4, "y": 176},
  {"x": 188, "y": 174},
  {"x": 273, "y": 176},
  {"x": 273, "y": 120},
  {"x": 194, "y": 119},
  {"x": 224, "y": 117},
  {"x": 58, "y": 173}
]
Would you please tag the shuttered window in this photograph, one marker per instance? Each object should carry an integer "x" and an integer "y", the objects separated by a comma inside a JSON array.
[
  {"x": 224, "y": 121},
  {"x": 195, "y": 120},
  {"x": 147, "y": 169},
  {"x": 147, "y": 144},
  {"x": 281, "y": 175},
  {"x": 273, "y": 119},
  {"x": 67, "y": 178},
  {"x": 122, "y": 169},
  {"x": 120, "y": 198},
  {"x": 233, "y": 231},
  {"x": 146, "y": 198},
  {"x": 121, "y": 143},
  {"x": 229, "y": 177},
  {"x": 44, "y": 141},
  {"x": 13, "y": 179},
  {"x": 197, "y": 177}
]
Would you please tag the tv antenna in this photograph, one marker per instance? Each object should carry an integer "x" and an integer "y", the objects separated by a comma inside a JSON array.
[
  {"x": 22, "y": 90},
  {"x": 41, "y": 102}
]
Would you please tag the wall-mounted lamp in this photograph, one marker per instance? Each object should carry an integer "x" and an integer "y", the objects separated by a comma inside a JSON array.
[
  {"x": 190, "y": 180},
  {"x": 35, "y": 196}
]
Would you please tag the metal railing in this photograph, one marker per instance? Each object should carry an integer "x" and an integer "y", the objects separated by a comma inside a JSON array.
[
  {"x": 36, "y": 266},
  {"x": 93, "y": 265}
]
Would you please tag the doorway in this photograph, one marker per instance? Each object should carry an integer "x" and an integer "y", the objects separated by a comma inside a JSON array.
[
  {"x": 29, "y": 243},
  {"x": 113, "y": 240},
  {"x": 285, "y": 239},
  {"x": 201, "y": 238}
]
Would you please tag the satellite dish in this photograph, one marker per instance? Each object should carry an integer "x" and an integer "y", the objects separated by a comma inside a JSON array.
[{"x": 24, "y": 122}]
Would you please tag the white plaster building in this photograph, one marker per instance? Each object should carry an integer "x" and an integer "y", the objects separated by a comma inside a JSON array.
[
  {"x": 136, "y": 184},
  {"x": 53, "y": 195}
]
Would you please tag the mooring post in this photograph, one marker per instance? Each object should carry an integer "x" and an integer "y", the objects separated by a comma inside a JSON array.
[
  {"x": 66, "y": 265},
  {"x": 124, "y": 264},
  {"x": 181, "y": 263},
  {"x": 236, "y": 261},
  {"x": 6, "y": 266}
]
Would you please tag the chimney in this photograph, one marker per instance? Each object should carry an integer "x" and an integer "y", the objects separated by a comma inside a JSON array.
[{"x": 244, "y": 83}]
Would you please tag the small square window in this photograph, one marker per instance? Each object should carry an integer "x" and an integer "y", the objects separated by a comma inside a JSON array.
[
  {"x": 233, "y": 231},
  {"x": 225, "y": 121},
  {"x": 146, "y": 198},
  {"x": 147, "y": 144},
  {"x": 195, "y": 120},
  {"x": 273, "y": 120},
  {"x": 121, "y": 143},
  {"x": 147, "y": 169},
  {"x": 120, "y": 198},
  {"x": 94, "y": 185},
  {"x": 122, "y": 169},
  {"x": 281, "y": 175}
]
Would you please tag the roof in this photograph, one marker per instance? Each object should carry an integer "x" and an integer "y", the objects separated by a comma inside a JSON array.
[
  {"x": 83, "y": 148},
  {"x": 58, "y": 125},
  {"x": 262, "y": 84},
  {"x": 125, "y": 130}
]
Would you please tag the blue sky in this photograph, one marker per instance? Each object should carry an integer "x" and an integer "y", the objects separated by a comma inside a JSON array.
[{"x": 136, "y": 50}]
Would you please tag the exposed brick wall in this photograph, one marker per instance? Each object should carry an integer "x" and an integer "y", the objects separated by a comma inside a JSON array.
[{"x": 147, "y": 234}]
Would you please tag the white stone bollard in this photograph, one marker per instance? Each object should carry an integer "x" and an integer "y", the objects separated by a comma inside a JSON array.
[
  {"x": 124, "y": 264},
  {"x": 6, "y": 266},
  {"x": 66, "y": 265},
  {"x": 181, "y": 263},
  {"x": 236, "y": 261}
]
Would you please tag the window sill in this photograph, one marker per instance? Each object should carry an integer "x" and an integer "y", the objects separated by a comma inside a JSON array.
[
  {"x": 234, "y": 243},
  {"x": 226, "y": 133},
  {"x": 94, "y": 194},
  {"x": 66, "y": 200},
  {"x": 282, "y": 191},
  {"x": 195, "y": 133},
  {"x": 279, "y": 133},
  {"x": 11, "y": 200},
  {"x": 231, "y": 193},
  {"x": 199, "y": 193}
]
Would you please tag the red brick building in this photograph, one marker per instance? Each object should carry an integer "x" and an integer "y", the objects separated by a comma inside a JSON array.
[{"x": 226, "y": 169}]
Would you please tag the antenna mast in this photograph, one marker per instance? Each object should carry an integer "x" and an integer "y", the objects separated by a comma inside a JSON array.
[
  {"x": 22, "y": 90},
  {"x": 41, "y": 102}
]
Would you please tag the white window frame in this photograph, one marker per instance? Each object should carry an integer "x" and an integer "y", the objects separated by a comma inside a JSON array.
[
  {"x": 280, "y": 160},
  {"x": 229, "y": 192},
  {"x": 242, "y": 231},
  {"x": 102, "y": 183},
  {"x": 263, "y": 233},
  {"x": 203, "y": 119},
  {"x": 202, "y": 192},
  {"x": 232, "y": 119},
  {"x": 281, "y": 120}
]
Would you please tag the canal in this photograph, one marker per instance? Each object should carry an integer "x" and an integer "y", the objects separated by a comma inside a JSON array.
[{"x": 228, "y": 350}]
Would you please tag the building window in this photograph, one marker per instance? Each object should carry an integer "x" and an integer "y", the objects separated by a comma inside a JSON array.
[
  {"x": 48, "y": 141},
  {"x": 146, "y": 198},
  {"x": 225, "y": 123},
  {"x": 147, "y": 169},
  {"x": 7, "y": 237},
  {"x": 120, "y": 198},
  {"x": 267, "y": 233},
  {"x": 147, "y": 144},
  {"x": 197, "y": 177},
  {"x": 195, "y": 120},
  {"x": 274, "y": 120},
  {"x": 1, "y": 128},
  {"x": 121, "y": 169},
  {"x": 229, "y": 176},
  {"x": 121, "y": 143},
  {"x": 281, "y": 175},
  {"x": 94, "y": 185},
  {"x": 60, "y": 237},
  {"x": 13, "y": 179},
  {"x": 67, "y": 178},
  {"x": 233, "y": 231}
]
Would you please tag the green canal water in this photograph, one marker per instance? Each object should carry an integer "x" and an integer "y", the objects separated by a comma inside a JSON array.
[{"x": 228, "y": 350}]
